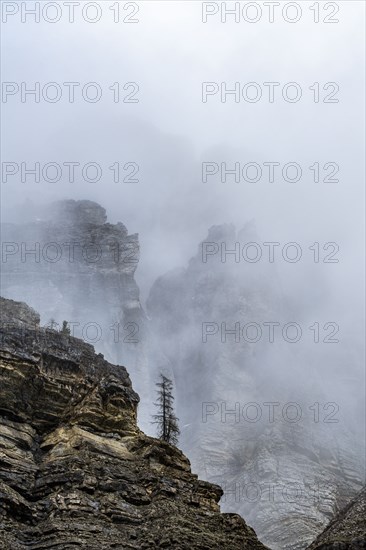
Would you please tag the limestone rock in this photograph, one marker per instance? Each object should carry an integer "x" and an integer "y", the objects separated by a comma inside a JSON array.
[
  {"x": 76, "y": 471},
  {"x": 70, "y": 264},
  {"x": 347, "y": 531},
  {"x": 287, "y": 478}
]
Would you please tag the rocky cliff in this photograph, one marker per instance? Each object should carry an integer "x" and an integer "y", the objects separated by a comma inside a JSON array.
[
  {"x": 287, "y": 478},
  {"x": 250, "y": 410},
  {"x": 347, "y": 531},
  {"x": 75, "y": 471},
  {"x": 69, "y": 263}
]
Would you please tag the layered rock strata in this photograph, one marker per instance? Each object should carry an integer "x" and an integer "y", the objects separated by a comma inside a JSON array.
[
  {"x": 347, "y": 530},
  {"x": 76, "y": 471}
]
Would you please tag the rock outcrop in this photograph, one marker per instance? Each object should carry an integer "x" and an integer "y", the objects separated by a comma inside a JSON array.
[
  {"x": 347, "y": 531},
  {"x": 287, "y": 469},
  {"x": 68, "y": 263},
  {"x": 76, "y": 471},
  {"x": 288, "y": 479}
]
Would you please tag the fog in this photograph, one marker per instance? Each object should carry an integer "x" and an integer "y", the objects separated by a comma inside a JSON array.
[
  {"x": 170, "y": 132},
  {"x": 169, "y": 53}
]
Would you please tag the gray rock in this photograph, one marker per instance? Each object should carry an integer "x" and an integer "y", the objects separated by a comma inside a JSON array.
[
  {"x": 287, "y": 478},
  {"x": 347, "y": 530},
  {"x": 76, "y": 471},
  {"x": 82, "y": 271}
]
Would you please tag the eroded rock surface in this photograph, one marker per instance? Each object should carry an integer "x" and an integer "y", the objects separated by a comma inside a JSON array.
[
  {"x": 347, "y": 531},
  {"x": 69, "y": 263},
  {"x": 286, "y": 476},
  {"x": 75, "y": 471}
]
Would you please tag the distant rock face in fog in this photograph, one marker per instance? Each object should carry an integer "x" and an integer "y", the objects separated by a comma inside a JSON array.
[
  {"x": 287, "y": 476},
  {"x": 70, "y": 264}
]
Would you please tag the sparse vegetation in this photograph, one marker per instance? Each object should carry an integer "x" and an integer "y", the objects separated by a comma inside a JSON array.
[{"x": 167, "y": 422}]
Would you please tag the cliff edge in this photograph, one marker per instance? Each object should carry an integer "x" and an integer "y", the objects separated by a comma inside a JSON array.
[{"x": 76, "y": 471}]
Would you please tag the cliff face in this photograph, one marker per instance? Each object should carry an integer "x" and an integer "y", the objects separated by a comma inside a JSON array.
[
  {"x": 347, "y": 531},
  {"x": 75, "y": 471},
  {"x": 286, "y": 477},
  {"x": 69, "y": 264}
]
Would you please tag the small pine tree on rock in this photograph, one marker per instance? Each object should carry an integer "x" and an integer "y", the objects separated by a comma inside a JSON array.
[
  {"x": 167, "y": 422},
  {"x": 65, "y": 328},
  {"x": 52, "y": 325}
]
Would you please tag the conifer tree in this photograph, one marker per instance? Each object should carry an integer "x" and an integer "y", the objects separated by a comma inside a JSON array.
[
  {"x": 167, "y": 422},
  {"x": 65, "y": 328},
  {"x": 52, "y": 324}
]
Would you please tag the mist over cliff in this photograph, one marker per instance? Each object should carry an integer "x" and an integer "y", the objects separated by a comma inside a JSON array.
[
  {"x": 269, "y": 398},
  {"x": 266, "y": 408},
  {"x": 72, "y": 454},
  {"x": 202, "y": 232}
]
